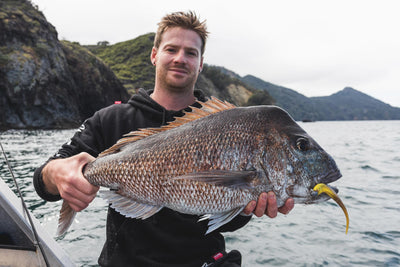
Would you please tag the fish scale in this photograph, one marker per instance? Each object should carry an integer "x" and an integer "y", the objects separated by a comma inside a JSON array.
[
  {"x": 181, "y": 159},
  {"x": 211, "y": 162}
]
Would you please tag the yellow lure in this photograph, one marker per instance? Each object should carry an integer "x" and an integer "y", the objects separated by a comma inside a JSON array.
[{"x": 323, "y": 188}]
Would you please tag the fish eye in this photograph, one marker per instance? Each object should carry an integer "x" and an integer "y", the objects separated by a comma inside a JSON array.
[{"x": 302, "y": 144}]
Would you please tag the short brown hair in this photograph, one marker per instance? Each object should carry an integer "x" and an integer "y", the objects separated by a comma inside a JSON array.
[{"x": 187, "y": 20}]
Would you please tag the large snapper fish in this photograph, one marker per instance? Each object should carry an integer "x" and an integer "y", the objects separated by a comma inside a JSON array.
[{"x": 212, "y": 162}]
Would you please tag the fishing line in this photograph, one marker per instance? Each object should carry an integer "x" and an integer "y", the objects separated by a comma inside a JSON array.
[{"x": 36, "y": 241}]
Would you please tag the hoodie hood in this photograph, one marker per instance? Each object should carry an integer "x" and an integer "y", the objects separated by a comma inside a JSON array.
[{"x": 154, "y": 111}]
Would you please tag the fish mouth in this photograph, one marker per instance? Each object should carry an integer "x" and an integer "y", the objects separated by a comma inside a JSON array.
[
  {"x": 307, "y": 195},
  {"x": 316, "y": 196},
  {"x": 331, "y": 177}
]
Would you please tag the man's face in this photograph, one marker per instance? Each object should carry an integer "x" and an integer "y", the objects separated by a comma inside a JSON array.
[{"x": 178, "y": 59}]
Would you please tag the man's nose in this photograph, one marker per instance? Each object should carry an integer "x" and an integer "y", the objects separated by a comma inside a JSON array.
[{"x": 180, "y": 57}]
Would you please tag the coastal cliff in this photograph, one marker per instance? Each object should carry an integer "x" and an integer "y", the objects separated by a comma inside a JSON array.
[{"x": 45, "y": 83}]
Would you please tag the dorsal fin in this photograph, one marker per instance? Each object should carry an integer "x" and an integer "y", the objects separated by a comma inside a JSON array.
[{"x": 213, "y": 105}]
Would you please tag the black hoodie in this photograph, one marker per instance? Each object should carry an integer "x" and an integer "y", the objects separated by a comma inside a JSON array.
[{"x": 168, "y": 238}]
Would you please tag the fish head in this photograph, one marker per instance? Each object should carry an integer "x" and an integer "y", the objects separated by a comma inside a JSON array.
[
  {"x": 293, "y": 162},
  {"x": 310, "y": 165}
]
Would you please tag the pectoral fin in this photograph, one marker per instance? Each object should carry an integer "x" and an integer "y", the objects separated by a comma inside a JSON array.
[
  {"x": 323, "y": 188},
  {"x": 128, "y": 207},
  {"x": 219, "y": 219}
]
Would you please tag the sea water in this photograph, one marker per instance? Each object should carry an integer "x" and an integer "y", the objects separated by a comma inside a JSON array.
[{"x": 367, "y": 153}]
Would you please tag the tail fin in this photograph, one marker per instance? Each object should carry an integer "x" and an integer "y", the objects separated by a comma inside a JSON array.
[{"x": 67, "y": 215}]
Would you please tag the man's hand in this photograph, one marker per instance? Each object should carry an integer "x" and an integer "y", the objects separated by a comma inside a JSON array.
[
  {"x": 266, "y": 204},
  {"x": 65, "y": 177}
]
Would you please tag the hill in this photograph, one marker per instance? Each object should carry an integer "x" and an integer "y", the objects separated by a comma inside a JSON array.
[
  {"x": 129, "y": 60},
  {"x": 348, "y": 104},
  {"x": 45, "y": 83},
  {"x": 298, "y": 105}
]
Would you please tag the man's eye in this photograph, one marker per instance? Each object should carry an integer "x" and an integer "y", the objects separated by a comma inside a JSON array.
[
  {"x": 192, "y": 53},
  {"x": 171, "y": 50}
]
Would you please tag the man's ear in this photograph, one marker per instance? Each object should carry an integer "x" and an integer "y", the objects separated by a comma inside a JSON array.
[
  {"x": 201, "y": 64},
  {"x": 153, "y": 55}
]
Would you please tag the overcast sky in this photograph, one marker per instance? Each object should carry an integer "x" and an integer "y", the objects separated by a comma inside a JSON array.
[{"x": 312, "y": 46}]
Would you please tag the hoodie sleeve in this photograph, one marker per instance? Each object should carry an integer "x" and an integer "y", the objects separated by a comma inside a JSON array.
[{"x": 87, "y": 138}]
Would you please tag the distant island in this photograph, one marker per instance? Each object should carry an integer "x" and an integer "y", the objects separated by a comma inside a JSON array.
[
  {"x": 46, "y": 83},
  {"x": 347, "y": 104}
]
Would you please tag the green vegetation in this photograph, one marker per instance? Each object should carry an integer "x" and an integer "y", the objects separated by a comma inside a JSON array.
[
  {"x": 260, "y": 98},
  {"x": 224, "y": 79},
  {"x": 3, "y": 60},
  {"x": 129, "y": 60},
  {"x": 219, "y": 78},
  {"x": 41, "y": 49}
]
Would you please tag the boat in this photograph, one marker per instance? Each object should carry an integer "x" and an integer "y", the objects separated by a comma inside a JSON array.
[{"x": 18, "y": 245}]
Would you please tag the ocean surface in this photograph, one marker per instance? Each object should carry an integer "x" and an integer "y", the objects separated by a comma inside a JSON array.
[{"x": 367, "y": 153}]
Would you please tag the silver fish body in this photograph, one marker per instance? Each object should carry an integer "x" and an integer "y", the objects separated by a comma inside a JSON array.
[{"x": 213, "y": 163}]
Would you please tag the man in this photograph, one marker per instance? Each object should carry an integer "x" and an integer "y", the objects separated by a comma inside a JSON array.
[{"x": 168, "y": 238}]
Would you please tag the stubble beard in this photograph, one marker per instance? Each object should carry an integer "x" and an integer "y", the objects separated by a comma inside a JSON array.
[{"x": 173, "y": 85}]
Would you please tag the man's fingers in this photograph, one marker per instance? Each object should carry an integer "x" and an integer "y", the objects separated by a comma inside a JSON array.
[
  {"x": 266, "y": 204},
  {"x": 250, "y": 207},
  {"x": 289, "y": 205},
  {"x": 86, "y": 188},
  {"x": 78, "y": 200},
  {"x": 78, "y": 184},
  {"x": 272, "y": 208},
  {"x": 77, "y": 205},
  {"x": 65, "y": 177},
  {"x": 78, "y": 193},
  {"x": 261, "y": 205}
]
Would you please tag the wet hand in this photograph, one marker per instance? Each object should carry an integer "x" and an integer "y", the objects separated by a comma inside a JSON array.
[
  {"x": 267, "y": 205},
  {"x": 65, "y": 177}
]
